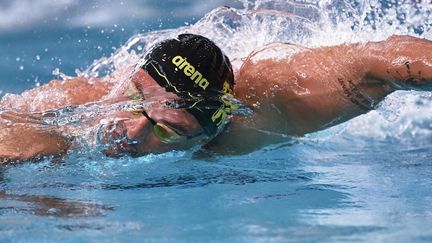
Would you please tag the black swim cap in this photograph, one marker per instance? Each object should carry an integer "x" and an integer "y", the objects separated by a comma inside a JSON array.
[{"x": 194, "y": 68}]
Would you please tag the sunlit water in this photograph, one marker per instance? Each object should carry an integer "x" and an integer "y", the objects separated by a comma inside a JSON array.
[{"x": 366, "y": 180}]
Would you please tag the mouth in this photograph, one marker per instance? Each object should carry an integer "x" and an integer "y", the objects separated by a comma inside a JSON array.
[
  {"x": 114, "y": 136},
  {"x": 124, "y": 147}
]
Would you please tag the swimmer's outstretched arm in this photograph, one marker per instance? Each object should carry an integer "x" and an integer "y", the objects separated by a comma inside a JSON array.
[
  {"x": 57, "y": 94},
  {"x": 20, "y": 139},
  {"x": 19, "y": 142},
  {"x": 317, "y": 88},
  {"x": 313, "y": 89}
]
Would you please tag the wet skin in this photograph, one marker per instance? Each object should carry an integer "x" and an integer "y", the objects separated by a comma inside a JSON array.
[
  {"x": 138, "y": 129},
  {"x": 314, "y": 89},
  {"x": 124, "y": 132},
  {"x": 304, "y": 92}
]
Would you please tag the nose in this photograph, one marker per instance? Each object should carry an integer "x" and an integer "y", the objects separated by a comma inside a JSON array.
[{"x": 137, "y": 128}]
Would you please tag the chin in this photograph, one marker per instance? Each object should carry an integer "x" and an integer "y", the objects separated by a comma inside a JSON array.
[{"x": 115, "y": 141}]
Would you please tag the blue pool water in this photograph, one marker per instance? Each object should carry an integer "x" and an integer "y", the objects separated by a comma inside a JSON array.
[{"x": 367, "y": 180}]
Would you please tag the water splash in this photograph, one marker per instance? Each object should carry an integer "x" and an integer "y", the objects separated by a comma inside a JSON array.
[{"x": 303, "y": 22}]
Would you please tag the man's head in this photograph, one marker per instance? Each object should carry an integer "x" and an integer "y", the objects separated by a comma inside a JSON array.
[
  {"x": 188, "y": 80},
  {"x": 195, "y": 69}
]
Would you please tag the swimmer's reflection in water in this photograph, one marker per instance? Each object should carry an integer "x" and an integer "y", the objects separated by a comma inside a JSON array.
[
  {"x": 303, "y": 91},
  {"x": 52, "y": 206}
]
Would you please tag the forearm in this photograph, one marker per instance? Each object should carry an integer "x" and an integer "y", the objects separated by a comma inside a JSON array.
[
  {"x": 28, "y": 142},
  {"x": 404, "y": 62},
  {"x": 57, "y": 94}
]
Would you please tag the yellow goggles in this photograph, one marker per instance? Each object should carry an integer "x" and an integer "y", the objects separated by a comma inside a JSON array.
[{"x": 164, "y": 132}]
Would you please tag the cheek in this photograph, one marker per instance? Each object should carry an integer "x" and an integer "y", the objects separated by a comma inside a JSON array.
[
  {"x": 137, "y": 128},
  {"x": 151, "y": 144}
]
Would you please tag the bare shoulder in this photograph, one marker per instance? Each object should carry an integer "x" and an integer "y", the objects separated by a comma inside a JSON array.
[
  {"x": 267, "y": 68},
  {"x": 296, "y": 88},
  {"x": 275, "y": 51}
]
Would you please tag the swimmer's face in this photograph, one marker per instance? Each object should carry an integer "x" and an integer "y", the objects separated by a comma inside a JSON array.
[{"x": 156, "y": 129}]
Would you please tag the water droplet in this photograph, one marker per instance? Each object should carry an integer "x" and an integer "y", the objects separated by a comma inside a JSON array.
[
  {"x": 21, "y": 67},
  {"x": 52, "y": 210},
  {"x": 56, "y": 72}
]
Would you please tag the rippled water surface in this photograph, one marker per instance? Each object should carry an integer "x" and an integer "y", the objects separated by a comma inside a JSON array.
[{"x": 369, "y": 179}]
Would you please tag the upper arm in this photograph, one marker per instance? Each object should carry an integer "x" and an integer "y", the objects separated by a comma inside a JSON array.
[{"x": 307, "y": 91}]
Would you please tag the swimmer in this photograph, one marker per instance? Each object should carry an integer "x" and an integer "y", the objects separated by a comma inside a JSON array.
[{"x": 189, "y": 82}]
